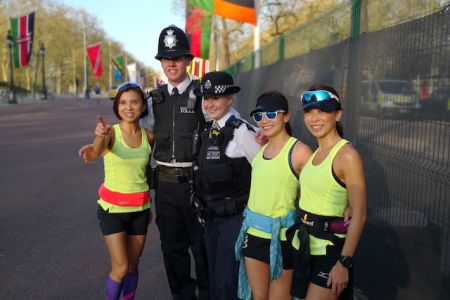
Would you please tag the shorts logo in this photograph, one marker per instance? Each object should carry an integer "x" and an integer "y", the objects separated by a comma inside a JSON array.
[
  {"x": 323, "y": 275},
  {"x": 245, "y": 244}
]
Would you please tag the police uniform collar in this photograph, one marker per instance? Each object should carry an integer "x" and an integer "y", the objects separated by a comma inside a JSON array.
[
  {"x": 224, "y": 119},
  {"x": 181, "y": 87}
]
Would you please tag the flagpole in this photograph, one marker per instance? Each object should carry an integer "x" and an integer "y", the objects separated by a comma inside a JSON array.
[
  {"x": 126, "y": 67},
  {"x": 110, "y": 75},
  {"x": 216, "y": 45},
  {"x": 257, "y": 37},
  {"x": 86, "y": 87}
]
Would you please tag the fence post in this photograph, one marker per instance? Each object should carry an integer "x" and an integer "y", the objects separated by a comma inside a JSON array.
[
  {"x": 356, "y": 18},
  {"x": 354, "y": 75},
  {"x": 281, "y": 48}
]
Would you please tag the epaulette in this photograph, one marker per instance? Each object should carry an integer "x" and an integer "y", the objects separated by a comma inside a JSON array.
[{"x": 236, "y": 123}]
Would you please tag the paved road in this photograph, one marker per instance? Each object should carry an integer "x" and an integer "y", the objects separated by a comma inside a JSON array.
[{"x": 50, "y": 243}]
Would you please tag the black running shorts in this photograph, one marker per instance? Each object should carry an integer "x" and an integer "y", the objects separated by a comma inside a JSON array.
[
  {"x": 259, "y": 248},
  {"x": 133, "y": 223}
]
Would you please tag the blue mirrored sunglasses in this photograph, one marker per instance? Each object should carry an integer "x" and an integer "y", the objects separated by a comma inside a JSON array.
[
  {"x": 270, "y": 115},
  {"x": 128, "y": 85},
  {"x": 317, "y": 96}
]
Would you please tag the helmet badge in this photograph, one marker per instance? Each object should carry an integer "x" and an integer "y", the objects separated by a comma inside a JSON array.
[
  {"x": 208, "y": 84},
  {"x": 170, "y": 40}
]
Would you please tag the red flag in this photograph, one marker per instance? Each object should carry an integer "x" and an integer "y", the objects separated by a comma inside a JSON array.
[
  {"x": 95, "y": 58},
  {"x": 238, "y": 10},
  {"x": 198, "y": 28}
]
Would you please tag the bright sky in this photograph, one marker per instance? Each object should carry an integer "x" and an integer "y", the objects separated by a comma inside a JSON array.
[{"x": 134, "y": 23}]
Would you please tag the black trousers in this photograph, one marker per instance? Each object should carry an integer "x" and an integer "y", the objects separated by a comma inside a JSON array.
[
  {"x": 179, "y": 230},
  {"x": 220, "y": 237}
]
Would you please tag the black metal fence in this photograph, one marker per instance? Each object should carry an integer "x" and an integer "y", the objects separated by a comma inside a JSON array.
[{"x": 395, "y": 84}]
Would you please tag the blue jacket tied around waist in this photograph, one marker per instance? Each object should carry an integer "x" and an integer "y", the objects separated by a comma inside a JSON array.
[{"x": 268, "y": 225}]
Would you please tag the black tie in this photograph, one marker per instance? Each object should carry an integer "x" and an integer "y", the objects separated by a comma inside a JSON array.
[{"x": 175, "y": 92}]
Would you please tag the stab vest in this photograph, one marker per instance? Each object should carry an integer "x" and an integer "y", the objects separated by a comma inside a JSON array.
[
  {"x": 222, "y": 183},
  {"x": 177, "y": 117}
]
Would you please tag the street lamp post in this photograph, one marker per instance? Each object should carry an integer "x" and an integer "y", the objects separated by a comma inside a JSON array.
[
  {"x": 12, "y": 92},
  {"x": 44, "y": 88}
]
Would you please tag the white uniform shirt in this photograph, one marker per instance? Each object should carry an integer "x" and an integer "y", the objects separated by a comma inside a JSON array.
[{"x": 243, "y": 143}]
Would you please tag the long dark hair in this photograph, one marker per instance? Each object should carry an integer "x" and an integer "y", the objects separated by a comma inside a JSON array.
[
  {"x": 276, "y": 94},
  {"x": 321, "y": 86}
]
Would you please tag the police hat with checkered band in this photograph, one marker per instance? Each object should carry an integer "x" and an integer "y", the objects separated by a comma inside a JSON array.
[
  {"x": 218, "y": 83},
  {"x": 173, "y": 43}
]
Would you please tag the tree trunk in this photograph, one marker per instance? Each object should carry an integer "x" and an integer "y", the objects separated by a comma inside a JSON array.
[{"x": 225, "y": 42}]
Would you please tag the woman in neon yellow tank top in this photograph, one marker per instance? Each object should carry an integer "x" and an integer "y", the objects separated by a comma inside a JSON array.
[
  {"x": 332, "y": 179},
  {"x": 262, "y": 247},
  {"x": 124, "y": 204}
]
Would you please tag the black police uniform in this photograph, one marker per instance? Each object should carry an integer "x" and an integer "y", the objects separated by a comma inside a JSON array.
[
  {"x": 222, "y": 186},
  {"x": 176, "y": 118}
]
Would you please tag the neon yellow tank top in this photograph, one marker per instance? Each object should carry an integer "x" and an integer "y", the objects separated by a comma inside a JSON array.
[
  {"x": 273, "y": 188},
  {"x": 321, "y": 194},
  {"x": 125, "y": 170}
]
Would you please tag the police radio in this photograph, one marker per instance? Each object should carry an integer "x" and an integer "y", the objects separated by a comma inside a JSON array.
[{"x": 157, "y": 96}]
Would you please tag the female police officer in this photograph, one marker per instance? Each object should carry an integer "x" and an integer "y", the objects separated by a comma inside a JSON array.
[{"x": 222, "y": 176}]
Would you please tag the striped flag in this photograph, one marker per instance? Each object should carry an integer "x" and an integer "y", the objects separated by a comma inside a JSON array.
[
  {"x": 119, "y": 64},
  {"x": 95, "y": 58},
  {"x": 198, "y": 28},
  {"x": 238, "y": 10},
  {"x": 198, "y": 67},
  {"x": 22, "y": 29}
]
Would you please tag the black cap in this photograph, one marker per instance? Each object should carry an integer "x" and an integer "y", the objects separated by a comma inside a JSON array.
[
  {"x": 325, "y": 106},
  {"x": 172, "y": 43},
  {"x": 218, "y": 83},
  {"x": 271, "y": 101}
]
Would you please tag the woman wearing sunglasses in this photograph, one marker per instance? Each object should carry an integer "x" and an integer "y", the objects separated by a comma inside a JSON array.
[
  {"x": 124, "y": 204},
  {"x": 332, "y": 179},
  {"x": 264, "y": 254}
]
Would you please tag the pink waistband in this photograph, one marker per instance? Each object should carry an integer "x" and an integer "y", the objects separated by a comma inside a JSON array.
[{"x": 123, "y": 199}]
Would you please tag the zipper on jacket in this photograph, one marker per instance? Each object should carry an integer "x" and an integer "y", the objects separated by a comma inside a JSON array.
[{"x": 174, "y": 104}]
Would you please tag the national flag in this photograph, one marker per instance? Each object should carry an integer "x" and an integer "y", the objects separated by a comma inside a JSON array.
[
  {"x": 198, "y": 29},
  {"x": 132, "y": 72},
  {"x": 203, "y": 4},
  {"x": 22, "y": 29},
  {"x": 198, "y": 67},
  {"x": 94, "y": 53},
  {"x": 117, "y": 75},
  {"x": 238, "y": 10},
  {"x": 119, "y": 63}
]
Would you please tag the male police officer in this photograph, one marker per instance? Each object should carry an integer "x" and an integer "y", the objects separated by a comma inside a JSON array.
[
  {"x": 177, "y": 114},
  {"x": 222, "y": 180}
]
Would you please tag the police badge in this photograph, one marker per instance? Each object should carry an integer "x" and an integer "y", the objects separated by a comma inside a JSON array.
[
  {"x": 208, "y": 84},
  {"x": 170, "y": 40}
]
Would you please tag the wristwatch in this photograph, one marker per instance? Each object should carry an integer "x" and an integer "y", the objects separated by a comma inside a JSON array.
[{"x": 346, "y": 261}]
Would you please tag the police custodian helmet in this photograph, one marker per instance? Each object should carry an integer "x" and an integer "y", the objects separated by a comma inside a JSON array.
[{"x": 172, "y": 43}]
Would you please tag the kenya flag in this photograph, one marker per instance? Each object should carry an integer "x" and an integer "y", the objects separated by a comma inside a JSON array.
[{"x": 22, "y": 29}]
